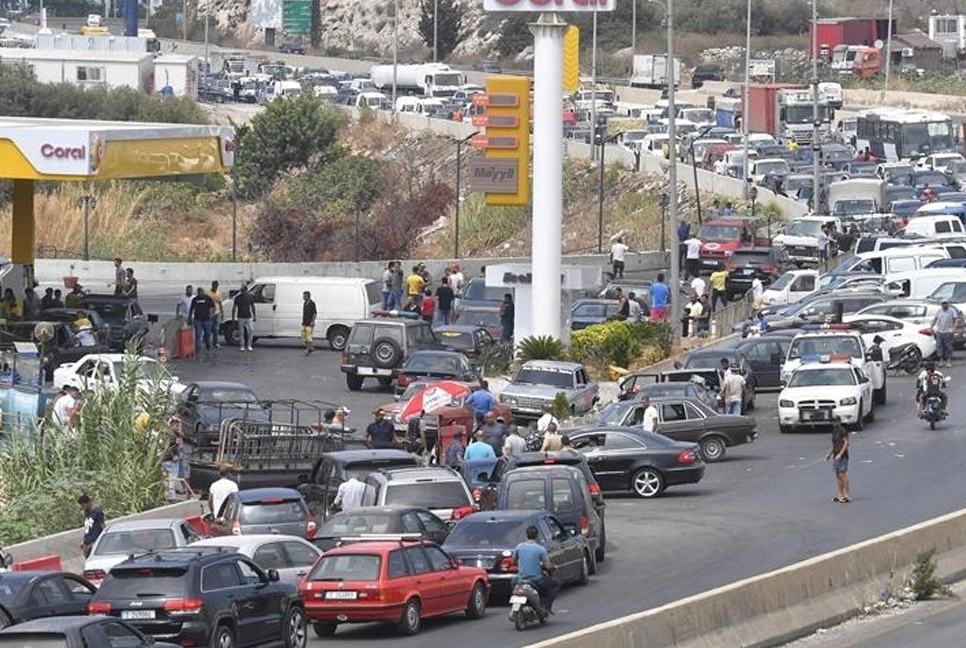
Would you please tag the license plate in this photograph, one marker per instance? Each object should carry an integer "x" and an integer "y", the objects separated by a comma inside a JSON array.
[
  {"x": 342, "y": 596},
  {"x": 814, "y": 416},
  {"x": 366, "y": 371},
  {"x": 748, "y": 271},
  {"x": 518, "y": 599},
  {"x": 137, "y": 614}
]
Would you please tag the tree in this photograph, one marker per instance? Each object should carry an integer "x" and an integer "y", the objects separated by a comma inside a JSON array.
[{"x": 448, "y": 29}]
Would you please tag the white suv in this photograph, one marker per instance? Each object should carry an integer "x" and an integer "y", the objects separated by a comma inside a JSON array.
[
  {"x": 836, "y": 342},
  {"x": 437, "y": 488}
]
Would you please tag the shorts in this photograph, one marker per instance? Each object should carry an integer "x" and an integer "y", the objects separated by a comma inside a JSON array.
[
  {"x": 659, "y": 313},
  {"x": 306, "y": 333},
  {"x": 840, "y": 465}
]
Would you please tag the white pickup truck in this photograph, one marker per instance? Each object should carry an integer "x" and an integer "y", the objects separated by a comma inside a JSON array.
[{"x": 800, "y": 237}]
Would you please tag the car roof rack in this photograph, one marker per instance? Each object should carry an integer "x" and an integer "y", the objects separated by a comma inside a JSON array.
[{"x": 401, "y": 538}]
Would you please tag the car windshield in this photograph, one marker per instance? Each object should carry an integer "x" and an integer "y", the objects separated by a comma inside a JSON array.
[
  {"x": 771, "y": 166},
  {"x": 110, "y": 312},
  {"x": 533, "y": 376},
  {"x": 614, "y": 413},
  {"x": 343, "y": 524},
  {"x": 434, "y": 363},
  {"x": 34, "y": 640},
  {"x": 720, "y": 233},
  {"x": 922, "y": 178},
  {"x": 741, "y": 258},
  {"x": 134, "y": 541},
  {"x": 488, "y": 533},
  {"x": 456, "y": 339},
  {"x": 853, "y": 207},
  {"x": 146, "y": 370},
  {"x": 273, "y": 512},
  {"x": 147, "y": 582},
  {"x": 346, "y": 567},
  {"x": 228, "y": 395},
  {"x": 593, "y": 310},
  {"x": 831, "y": 377},
  {"x": 477, "y": 290},
  {"x": 412, "y": 390},
  {"x": 953, "y": 292},
  {"x": 824, "y": 345},
  {"x": 804, "y": 228},
  {"x": 707, "y": 360},
  {"x": 782, "y": 281},
  {"x": 431, "y": 495},
  {"x": 486, "y": 317}
]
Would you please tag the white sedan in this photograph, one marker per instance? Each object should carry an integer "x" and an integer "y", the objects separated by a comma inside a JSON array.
[
  {"x": 817, "y": 391},
  {"x": 290, "y": 556},
  {"x": 896, "y": 332},
  {"x": 98, "y": 371}
]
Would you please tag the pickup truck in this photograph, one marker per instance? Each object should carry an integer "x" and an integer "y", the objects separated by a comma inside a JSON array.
[
  {"x": 720, "y": 237},
  {"x": 800, "y": 237},
  {"x": 539, "y": 381}
]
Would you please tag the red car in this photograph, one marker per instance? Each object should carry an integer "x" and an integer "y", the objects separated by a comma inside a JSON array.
[{"x": 390, "y": 581}]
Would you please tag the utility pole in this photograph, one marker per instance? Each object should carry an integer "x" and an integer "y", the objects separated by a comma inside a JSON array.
[
  {"x": 816, "y": 144},
  {"x": 672, "y": 170},
  {"x": 207, "y": 13},
  {"x": 746, "y": 102},
  {"x": 395, "y": 52},
  {"x": 888, "y": 57},
  {"x": 633, "y": 29},
  {"x": 593, "y": 91},
  {"x": 435, "y": 30}
]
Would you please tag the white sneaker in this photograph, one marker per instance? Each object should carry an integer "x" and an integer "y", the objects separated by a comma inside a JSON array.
[
  {"x": 250, "y": 349},
  {"x": 241, "y": 348}
]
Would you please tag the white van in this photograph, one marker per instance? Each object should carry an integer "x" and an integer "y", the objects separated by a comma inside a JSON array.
[
  {"x": 790, "y": 287},
  {"x": 952, "y": 291},
  {"x": 934, "y": 225},
  {"x": 340, "y": 301},
  {"x": 919, "y": 284},
  {"x": 897, "y": 259}
]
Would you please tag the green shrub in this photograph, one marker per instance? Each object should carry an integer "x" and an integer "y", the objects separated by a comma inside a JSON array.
[
  {"x": 541, "y": 347},
  {"x": 923, "y": 580},
  {"x": 560, "y": 407},
  {"x": 618, "y": 343}
]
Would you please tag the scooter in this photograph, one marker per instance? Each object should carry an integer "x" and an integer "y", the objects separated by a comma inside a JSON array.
[
  {"x": 906, "y": 358},
  {"x": 525, "y": 607},
  {"x": 933, "y": 411}
]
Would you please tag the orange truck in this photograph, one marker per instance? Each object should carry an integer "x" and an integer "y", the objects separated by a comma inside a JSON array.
[{"x": 859, "y": 61}]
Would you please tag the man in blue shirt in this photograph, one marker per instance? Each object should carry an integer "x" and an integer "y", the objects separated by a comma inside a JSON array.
[
  {"x": 533, "y": 565},
  {"x": 93, "y": 523},
  {"x": 479, "y": 449},
  {"x": 660, "y": 294},
  {"x": 481, "y": 400}
]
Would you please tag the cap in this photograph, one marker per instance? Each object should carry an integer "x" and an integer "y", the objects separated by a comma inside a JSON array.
[{"x": 379, "y": 410}]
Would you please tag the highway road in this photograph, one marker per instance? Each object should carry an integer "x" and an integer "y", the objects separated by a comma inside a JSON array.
[{"x": 766, "y": 506}]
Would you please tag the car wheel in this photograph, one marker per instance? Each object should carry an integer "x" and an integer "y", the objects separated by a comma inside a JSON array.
[
  {"x": 295, "y": 636},
  {"x": 223, "y": 637},
  {"x": 5, "y": 618},
  {"x": 385, "y": 382},
  {"x": 323, "y": 629},
  {"x": 784, "y": 429},
  {"x": 713, "y": 449},
  {"x": 880, "y": 395},
  {"x": 353, "y": 382},
  {"x": 410, "y": 621},
  {"x": 647, "y": 482},
  {"x": 602, "y": 547},
  {"x": 232, "y": 334},
  {"x": 859, "y": 420},
  {"x": 386, "y": 353},
  {"x": 338, "y": 337},
  {"x": 477, "y": 606},
  {"x": 871, "y": 415},
  {"x": 584, "y": 577}
]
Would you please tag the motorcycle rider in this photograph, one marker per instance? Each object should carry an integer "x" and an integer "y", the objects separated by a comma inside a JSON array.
[
  {"x": 931, "y": 384},
  {"x": 534, "y": 566}
]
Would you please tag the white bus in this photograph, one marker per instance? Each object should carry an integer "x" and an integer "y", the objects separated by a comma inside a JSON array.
[{"x": 894, "y": 134}]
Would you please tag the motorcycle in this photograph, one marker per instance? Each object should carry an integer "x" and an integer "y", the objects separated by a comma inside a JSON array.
[
  {"x": 933, "y": 411},
  {"x": 525, "y": 607},
  {"x": 906, "y": 358}
]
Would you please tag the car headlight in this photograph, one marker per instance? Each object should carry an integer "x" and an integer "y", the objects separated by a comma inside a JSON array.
[
  {"x": 786, "y": 403},
  {"x": 847, "y": 401}
]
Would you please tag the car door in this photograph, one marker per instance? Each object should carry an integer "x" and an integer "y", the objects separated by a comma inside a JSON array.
[
  {"x": 301, "y": 556},
  {"x": 433, "y": 527},
  {"x": 108, "y": 633},
  {"x": 761, "y": 356},
  {"x": 567, "y": 546},
  {"x": 584, "y": 399},
  {"x": 262, "y": 604},
  {"x": 679, "y": 421},
  {"x": 453, "y": 590},
  {"x": 263, "y": 295},
  {"x": 80, "y": 593},
  {"x": 48, "y": 597},
  {"x": 610, "y": 457},
  {"x": 427, "y": 583}
]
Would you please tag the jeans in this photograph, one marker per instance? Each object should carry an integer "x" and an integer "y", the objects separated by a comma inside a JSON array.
[
  {"x": 733, "y": 408},
  {"x": 548, "y": 587},
  {"x": 444, "y": 316},
  {"x": 246, "y": 332},
  {"x": 215, "y": 326},
  {"x": 718, "y": 295},
  {"x": 395, "y": 299},
  {"x": 386, "y": 295},
  {"x": 202, "y": 332},
  {"x": 944, "y": 345}
]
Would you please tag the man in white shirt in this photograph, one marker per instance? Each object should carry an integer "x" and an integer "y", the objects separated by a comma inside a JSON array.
[
  {"x": 698, "y": 286},
  {"x": 219, "y": 491},
  {"x": 350, "y": 494},
  {"x": 617, "y": 253},
  {"x": 184, "y": 303},
  {"x": 66, "y": 406},
  {"x": 721, "y": 167},
  {"x": 514, "y": 443},
  {"x": 544, "y": 421},
  {"x": 456, "y": 280},
  {"x": 733, "y": 391},
  {"x": 692, "y": 257},
  {"x": 649, "y": 422},
  {"x": 757, "y": 290}
]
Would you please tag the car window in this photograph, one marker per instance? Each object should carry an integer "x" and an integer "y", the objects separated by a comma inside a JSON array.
[
  {"x": 49, "y": 592},
  {"x": 557, "y": 532},
  {"x": 692, "y": 412},
  {"x": 526, "y": 494},
  {"x": 394, "y": 333},
  {"x": 411, "y": 523},
  {"x": 271, "y": 556},
  {"x": 249, "y": 574},
  {"x": 397, "y": 564},
  {"x": 78, "y": 589},
  {"x": 546, "y": 534},
  {"x": 418, "y": 561},
  {"x": 563, "y": 496},
  {"x": 672, "y": 412},
  {"x": 119, "y": 636},
  {"x": 432, "y": 523},
  {"x": 604, "y": 441},
  {"x": 220, "y": 576},
  {"x": 299, "y": 555},
  {"x": 263, "y": 293},
  {"x": 362, "y": 334},
  {"x": 438, "y": 559}
]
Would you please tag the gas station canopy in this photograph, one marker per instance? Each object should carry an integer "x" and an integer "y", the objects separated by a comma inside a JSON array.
[{"x": 67, "y": 149}]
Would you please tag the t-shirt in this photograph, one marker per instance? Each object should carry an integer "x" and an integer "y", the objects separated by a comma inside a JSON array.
[
  {"x": 945, "y": 319},
  {"x": 456, "y": 282},
  {"x": 719, "y": 279},
  {"x": 202, "y": 308},
  {"x": 698, "y": 285},
  {"x": 659, "y": 295},
  {"x": 623, "y": 308},
  {"x": 350, "y": 494},
  {"x": 93, "y": 525},
  {"x": 387, "y": 280},
  {"x": 933, "y": 383},
  {"x": 478, "y": 450},
  {"x": 695, "y": 309},
  {"x": 219, "y": 492},
  {"x": 694, "y": 248},
  {"x": 506, "y": 315},
  {"x": 397, "y": 280},
  {"x": 757, "y": 288},
  {"x": 454, "y": 452},
  {"x": 184, "y": 304},
  {"x": 62, "y": 407},
  {"x": 733, "y": 387},
  {"x": 444, "y": 298},
  {"x": 308, "y": 313},
  {"x": 544, "y": 422},
  {"x": 481, "y": 401},
  {"x": 617, "y": 251},
  {"x": 514, "y": 444},
  {"x": 552, "y": 442},
  {"x": 493, "y": 435},
  {"x": 380, "y": 433},
  {"x": 427, "y": 306},
  {"x": 414, "y": 284},
  {"x": 530, "y": 558},
  {"x": 839, "y": 436},
  {"x": 216, "y": 297},
  {"x": 244, "y": 305},
  {"x": 649, "y": 421}
]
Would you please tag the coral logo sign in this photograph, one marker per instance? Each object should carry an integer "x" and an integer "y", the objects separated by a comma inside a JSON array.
[
  {"x": 548, "y": 5},
  {"x": 63, "y": 152}
]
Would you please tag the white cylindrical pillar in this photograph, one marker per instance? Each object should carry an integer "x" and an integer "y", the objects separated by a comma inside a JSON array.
[{"x": 548, "y": 153}]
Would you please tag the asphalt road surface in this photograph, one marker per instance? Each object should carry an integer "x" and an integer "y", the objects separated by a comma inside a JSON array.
[{"x": 766, "y": 506}]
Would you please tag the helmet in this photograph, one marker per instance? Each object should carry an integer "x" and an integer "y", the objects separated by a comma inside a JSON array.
[{"x": 930, "y": 366}]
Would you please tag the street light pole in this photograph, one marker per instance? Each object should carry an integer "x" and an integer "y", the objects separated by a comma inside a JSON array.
[
  {"x": 816, "y": 145},
  {"x": 593, "y": 88},
  {"x": 888, "y": 58},
  {"x": 746, "y": 102},
  {"x": 435, "y": 30},
  {"x": 207, "y": 13},
  {"x": 395, "y": 52},
  {"x": 459, "y": 191},
  {"x": 633, "y": 29}
]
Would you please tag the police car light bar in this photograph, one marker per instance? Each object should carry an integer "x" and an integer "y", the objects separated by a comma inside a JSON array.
[{"x": 827, "y": 327}]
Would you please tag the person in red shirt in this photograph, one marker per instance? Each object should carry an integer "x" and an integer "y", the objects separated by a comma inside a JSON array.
[{"x": 428, "y": 306}]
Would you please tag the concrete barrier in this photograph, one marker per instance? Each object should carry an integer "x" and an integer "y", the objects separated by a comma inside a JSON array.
[
  {"x": 67, "y": 545},
  {"x": 789, "y": 603}
]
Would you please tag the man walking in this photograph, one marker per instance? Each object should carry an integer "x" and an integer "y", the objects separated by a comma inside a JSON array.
[
  {"x": 130, "y": 284},
  {"x": 380, "y": 433},
  {"x": 660, "y": 295},
  {"x": 719, "y": 285},
  {"x": 120, "y": 276},
  {"x": 943, "y": 325},
  {"x": 93, "y": 524},
  {"x": 552, "y": 441},
  {"x": 507, "y": 314},
  {"x": 733, "y": 390},
  {"x": 453, "y": 457},
  {"x": 444, "y": 300},
  {"x": 514, "y": 443},
  {"x": 243, "y": 312},
  {"x": 840, "y": 461},
  {"x": 219, "y": 491},
  {"x": 618, "y": 251},
  {"x": 218, "y": 316},
  {"x": 479, "y": 449},
  {"x": 308, "y": 322},
  {"x": 493, "y": 432},
  {"x": 387, "y": 276},
  {"x": 199, "y": 314},
  {"x": 692, "y": 257},
  {"x": 350, "y": 494}
]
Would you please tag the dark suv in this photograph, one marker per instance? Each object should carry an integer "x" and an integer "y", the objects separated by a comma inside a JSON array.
[
  {"x": 378, "y": 347},
  {"x": 332, "y": 468},
  {"x": 203, "y": 597},
  {"x": 123, "y": 318}
]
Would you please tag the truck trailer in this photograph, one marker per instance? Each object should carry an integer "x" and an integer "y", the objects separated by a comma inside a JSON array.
[
  {"x": 426, "y": 79},
  {"x": 785, "y": 112}
]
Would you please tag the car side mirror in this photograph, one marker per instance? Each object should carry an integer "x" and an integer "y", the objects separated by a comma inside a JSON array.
[
  {"x": 273, "y": 575},
  {"x": 153, "y": 318},
  {"x": 573, "y": 533},
  {"x": 454, "y": 562}
]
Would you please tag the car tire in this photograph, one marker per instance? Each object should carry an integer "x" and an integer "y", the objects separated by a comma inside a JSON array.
[
  {"x": 386, "y": 353},
  {"x": 5, "y": 619},
  {"x": 385, "y": 381},
  {"x": 294, "y": 628},
  {"x": 713, "y": 448},
  {"x": 324, "y": 629},
  {"x": 338, "y": 337},
  {"x": 354, "y": 382},
  {"x": 871, "y": 415},
  {"x": 584, "y": 577},
  {"x": 647, "y": 483},
  {"x": 879, "y": 396},
  {"x": 223, "y": 637},
  {"x": 411, "y": 619},
  {"x": 476, "y": 608},
  {"x": 859, "y": 420},
  {"x": 232, "y": 334},
  {"x": 601, "y": 551},
  {"x": 784, "y": 429}
]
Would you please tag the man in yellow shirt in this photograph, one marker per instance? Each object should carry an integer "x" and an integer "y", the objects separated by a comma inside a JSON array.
[
  {"x": 719, "y": 283},
  {"x": 11, "y": 307},
  {"x": 414, "y": 288}
]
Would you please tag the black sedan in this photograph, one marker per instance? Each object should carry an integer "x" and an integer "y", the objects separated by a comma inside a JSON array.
[
  {"x": 37, "y": 594},
  {"x": 765, "y": 355},
  {"x": 747, "y": 264},
  {"x": 427, "y": 366},
  {"x": 687, "y": 420},
  {"x": 205, "y": 404},
  {"x": 77, "y": 632},
  {"x": 636, "y": 386},
  {"x": 487, "y": 540},
  {"x": 708, "y": 360},
  {"x": 587, "y": 312},
  {"x": 471, "y": 341},
  {"x": 643, "y": 463},
  {"x": 378, "y": 520}
]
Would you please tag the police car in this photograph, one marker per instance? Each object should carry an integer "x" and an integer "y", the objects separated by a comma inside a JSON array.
[
  {"x": 838, "y": 340},
  {"x": 821, "y": 388}
]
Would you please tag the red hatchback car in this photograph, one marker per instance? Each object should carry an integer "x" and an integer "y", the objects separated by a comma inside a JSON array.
[{"x": 390, "y": 581}]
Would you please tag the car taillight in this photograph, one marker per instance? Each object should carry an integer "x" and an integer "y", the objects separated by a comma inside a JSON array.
[
  {"x": 477, "y": 495},
  {"x": 594, "y": 489},
  {"x": 181, "y": 607},
  {"x": 925, "y": 332},
  {"x": 687, "y": 457},
  {"x": 99, "y": 608},
  {"x": 94, "y": 574},
  {"x": 462, "y": 512},
  {"x": 235, "y": 528},
  {"x": 403, "y": 380},
  {"x": 584, "y": 525},
  {"x": 310, "y": 529},
  {"x": 507, "y": 565},
  {"x": 345, "y": 357},
  {"x": 767, "y": 267}
]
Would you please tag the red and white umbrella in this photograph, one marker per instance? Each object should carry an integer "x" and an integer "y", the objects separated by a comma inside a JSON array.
[{"x": 434, "y": 396}]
